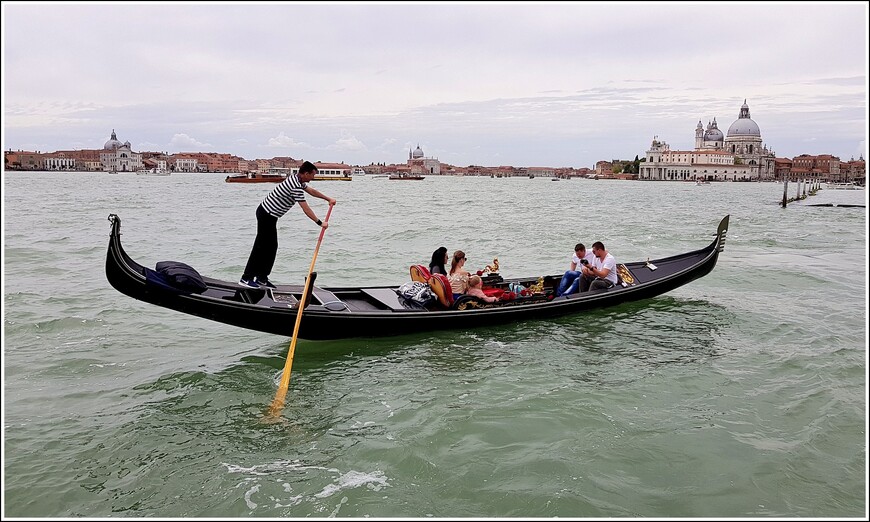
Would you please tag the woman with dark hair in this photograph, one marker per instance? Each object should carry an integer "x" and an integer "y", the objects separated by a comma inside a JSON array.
[{"x": 439, "y": 257}]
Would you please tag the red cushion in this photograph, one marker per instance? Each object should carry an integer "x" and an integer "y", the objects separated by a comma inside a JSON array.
[
  {"x": 493, "y": 292},
  {"x": 420, "y": 273}
]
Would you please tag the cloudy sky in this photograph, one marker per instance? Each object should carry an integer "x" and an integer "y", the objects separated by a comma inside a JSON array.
[{"x": 543, "y": 84}]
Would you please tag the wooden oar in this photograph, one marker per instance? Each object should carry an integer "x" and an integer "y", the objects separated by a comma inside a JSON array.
[{"x": 278, "y": 402}]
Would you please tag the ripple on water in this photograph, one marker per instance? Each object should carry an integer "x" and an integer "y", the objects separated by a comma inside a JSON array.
[{"x": 741, "y": 394}]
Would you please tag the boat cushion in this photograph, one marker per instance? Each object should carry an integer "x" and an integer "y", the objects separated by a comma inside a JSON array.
[
  {"x": 493, "y": 292},
  {"x": 420, "y": 273},
  {"x": 440, "y": 286},
  {"x": 181, "y": 276}
]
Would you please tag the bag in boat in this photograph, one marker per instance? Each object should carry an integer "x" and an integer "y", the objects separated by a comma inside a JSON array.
[
  {"x": 417, "y": 292},
  {"x": 518, "y": 289},
  {"x": 181, "y": 276}
]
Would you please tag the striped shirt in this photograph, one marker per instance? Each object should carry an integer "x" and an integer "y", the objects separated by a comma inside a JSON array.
[{"x": 284, "y": 196}]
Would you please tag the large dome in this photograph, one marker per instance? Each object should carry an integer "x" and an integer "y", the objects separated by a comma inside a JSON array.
[
  {"x": 744, "y": 126},
  {"x": 714, "y": 135},
  {"x": 113, "y": 142},
  {"x": 418, "y": 152}
]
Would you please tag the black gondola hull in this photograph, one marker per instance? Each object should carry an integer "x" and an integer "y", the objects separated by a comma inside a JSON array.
[{"x": 338, "y": 313}]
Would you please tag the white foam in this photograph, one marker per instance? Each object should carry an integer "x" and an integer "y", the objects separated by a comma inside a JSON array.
[{"x": 354, "y": 479}]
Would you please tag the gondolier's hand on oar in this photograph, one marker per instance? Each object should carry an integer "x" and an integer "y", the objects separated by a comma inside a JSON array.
[
  {"x": 306, "y": 208},
  {"x": 325, "y": 224}
]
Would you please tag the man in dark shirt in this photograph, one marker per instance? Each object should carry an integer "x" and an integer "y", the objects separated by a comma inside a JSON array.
[{"x": 276, "y": 204}]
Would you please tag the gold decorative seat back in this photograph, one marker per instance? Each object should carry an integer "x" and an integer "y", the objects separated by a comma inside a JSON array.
[
  {"x": 440, "y": 286},
  {"x": 625, "y": 277}
]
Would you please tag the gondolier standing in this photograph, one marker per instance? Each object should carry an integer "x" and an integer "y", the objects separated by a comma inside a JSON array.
[{"x": 274, "y": 205}]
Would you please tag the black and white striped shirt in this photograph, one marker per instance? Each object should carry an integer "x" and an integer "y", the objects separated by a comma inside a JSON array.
[{"x": 284, "y": 196}]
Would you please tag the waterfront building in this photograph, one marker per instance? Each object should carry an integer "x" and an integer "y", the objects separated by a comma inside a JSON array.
[
  {"x": 603, "y": 169},
  {"x": 420, "y": 164},
  {"x": 854, "y": 170},
  {"x": 85, "y": 159},
  {"x": 738, "y": 156},
  {"x": 184, "y": 163},
  {"x": 829, "y": 168},
  {"x": 541, "y": 172},
  {"x": 58, "y": 161},
  {"x": 23, "y": 160},
  {"x": 119, "y": 157},
  {"x": 782, "y": 168}
]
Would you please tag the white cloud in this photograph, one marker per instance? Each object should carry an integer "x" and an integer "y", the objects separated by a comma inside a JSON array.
[
  {"x": 285, "y": 142},
  {"x": 184, "y": 143},
  {"x": 547, "y": 84},
  {"x": 348, "y": 143}
]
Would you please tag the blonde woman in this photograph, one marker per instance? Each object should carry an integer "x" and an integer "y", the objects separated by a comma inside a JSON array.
[{"x": 458, "y": 276}]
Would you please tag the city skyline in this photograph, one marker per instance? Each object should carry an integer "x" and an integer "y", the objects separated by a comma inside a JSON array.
[{"x": 509, "y": 84}]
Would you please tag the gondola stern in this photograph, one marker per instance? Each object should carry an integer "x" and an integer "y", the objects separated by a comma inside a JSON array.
[{"x": 722, "y": 232}]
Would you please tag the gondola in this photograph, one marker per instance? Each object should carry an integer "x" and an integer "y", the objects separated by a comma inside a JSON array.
[{"x": 379, "y": 311}]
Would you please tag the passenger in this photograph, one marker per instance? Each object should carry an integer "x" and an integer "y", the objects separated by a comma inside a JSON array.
[
  {"x": 458, "y": 276},
  {"x": 601, "y": 273},
  {"x": 475, "y": 288},
  {"x": 571, "y": 279},
  {"x": 439, "y": 257}
]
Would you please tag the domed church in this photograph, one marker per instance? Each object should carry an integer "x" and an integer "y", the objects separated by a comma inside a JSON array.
[
  {"x": 118, "y": 157},
  {"x": 737, "y": 156},
  {"x": 422, "y": 165}
]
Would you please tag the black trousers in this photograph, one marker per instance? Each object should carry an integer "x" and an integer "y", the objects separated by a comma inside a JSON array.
[
  {"x": 265, "y": 248},
  {"x": 593, "y": 283}
]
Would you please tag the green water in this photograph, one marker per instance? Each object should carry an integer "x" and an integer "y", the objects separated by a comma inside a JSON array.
[{"x": 742, "y": 394}]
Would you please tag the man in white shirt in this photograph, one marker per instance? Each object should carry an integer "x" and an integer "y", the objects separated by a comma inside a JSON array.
[
  {"x": 601, "y": 273},
  {"x": 570, "y": 281}
]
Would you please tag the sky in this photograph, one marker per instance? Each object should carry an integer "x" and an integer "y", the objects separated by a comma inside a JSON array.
[{"x": 558, "y": 84}]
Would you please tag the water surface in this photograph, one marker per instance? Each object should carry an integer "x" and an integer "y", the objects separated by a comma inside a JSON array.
[{"x": 742, "y": 394}]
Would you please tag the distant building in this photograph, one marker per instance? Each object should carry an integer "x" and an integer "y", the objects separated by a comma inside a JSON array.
[
  {"x": 422, "y": 165},
  {"x": 118, "y": 157},
  {"x": 184, "y": 163},
  {"x": 23, "y": 160},
  {"x": 737, "y": 156},
  {"x": 58, "y": 161}
]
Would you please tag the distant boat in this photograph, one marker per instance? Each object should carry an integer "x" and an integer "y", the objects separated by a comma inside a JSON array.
[
  {"x": 153, "y": 172},
  {"x": 849, "y": 185},
  {"x": 702, "y": 182},
  {"x": 332, "y": 177},
  {"x": 255, "y": 178},
  {"x": 402, "y": 175}
]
